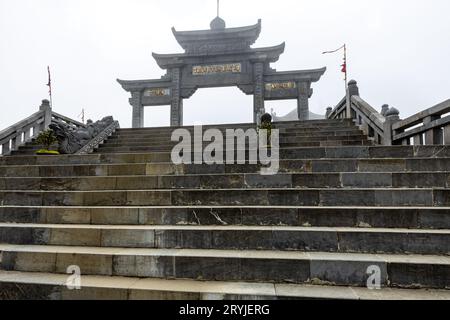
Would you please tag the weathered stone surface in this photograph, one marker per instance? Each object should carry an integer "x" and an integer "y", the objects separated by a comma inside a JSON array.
[
  {"x": 148, "y": 198},
  {"x": 353, "y": 273},
  {"x": 292, "y": 271},
  {"x": 408, "y": 197},
  {"x": 347, "y": 198},
  {"x": 67, "y": 215},
  {"x": 22, "y": 215},
  {"x": 249, "y": 240},
  {"x": 269, "y": 216},
  {"x": 420, "y": 180},
  {"x": 105, "y": 216},
  {"x": 162, "y": 216},
  {"x": 305, "y": 241},
  {"x": 76, "y": 237},
  {"x": 389, "y": 242},
  {"x": 328, "y": 180},
  {"x": 421, "y": 275},
  {"x": 117, "y": 198},
  {"x": 208, "y": 269},
  {"x": 144, "y": 266},
  {"x": 373, "y": 180},
  {"x": 381, "y": 165},
  {"x": 89, "y": 264},
  {"x": 128, "y": 238}
]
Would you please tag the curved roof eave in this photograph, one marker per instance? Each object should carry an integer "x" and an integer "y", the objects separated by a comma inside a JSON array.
[{"x": 251, "y": 32}]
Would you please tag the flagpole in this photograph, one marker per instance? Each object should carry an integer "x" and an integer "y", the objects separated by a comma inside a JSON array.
[
  {"x": 49, "y": 84},
  {"x": 345, "y": 61},
  {"x": 347, "y": 93},
  {"x": 344, "y": 70}
]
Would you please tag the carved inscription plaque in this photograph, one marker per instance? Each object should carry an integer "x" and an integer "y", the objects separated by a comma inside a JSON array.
[{"x": 214, "y": 69}]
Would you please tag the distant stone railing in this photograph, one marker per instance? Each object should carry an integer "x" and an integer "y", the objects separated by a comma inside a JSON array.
[
  {"x": 430, "y": 127},
  {"x": 59, "y": 118},
  {"x": 24, "y": 131}
]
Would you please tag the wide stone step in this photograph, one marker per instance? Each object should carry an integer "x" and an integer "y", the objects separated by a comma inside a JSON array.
[
  {"x": 232, "y": 197},
  {"x": 291, "y": 135},
  {"x": 166, "y": 168},
  {"x": 298, "y": 132},
  {"x": 306, "y": 239},
  {"x": 283, "y": 140},
  {"x": 351, "y": 152},
  {"x": 290, "y": 124},
  {"x": 168, "y": 147},
  {"x": 45, "y": 286},
  {"x": 242, "y": 181},
  {"x": 229, "y": 265},
  {"x": 412, "y": 218}
]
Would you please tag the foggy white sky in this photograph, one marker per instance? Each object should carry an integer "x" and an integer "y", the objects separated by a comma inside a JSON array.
[{"x": 399, "y": 52}]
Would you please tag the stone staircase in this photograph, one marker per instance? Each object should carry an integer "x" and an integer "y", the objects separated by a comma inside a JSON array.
[{"x": 140, "y": 227}]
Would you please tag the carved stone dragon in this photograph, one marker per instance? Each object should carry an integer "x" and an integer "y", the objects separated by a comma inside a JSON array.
[{"x": 72, "y": 139}]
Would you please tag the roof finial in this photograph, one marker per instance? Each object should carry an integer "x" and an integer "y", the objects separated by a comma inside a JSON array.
[{"x": 218, "y": 23}]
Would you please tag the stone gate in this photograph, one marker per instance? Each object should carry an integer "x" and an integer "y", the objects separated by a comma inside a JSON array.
[{"x": 220, "y": 57}]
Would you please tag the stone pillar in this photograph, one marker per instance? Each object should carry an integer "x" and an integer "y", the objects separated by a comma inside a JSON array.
[
  {"x": 45, "y": 106},
  {"x": 5, "y": 148},
  {"x": 138, "y": 110},
  {"x": 304, "y": 92},
  {"x": 433, "y": 136},
  {"x": 447, "y": 135},
  {"x": 353, "y": 89},
  {"x": 258, "y": 95},
  {"x": 418, "y": 140},
  {"x": 329, "y": 111},
  {"x": 176, "y": 107},
  {"x": 392, "y": 116}
]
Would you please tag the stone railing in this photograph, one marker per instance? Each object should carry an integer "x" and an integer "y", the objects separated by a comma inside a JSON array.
[
  {"x": 370, "y": 121},
  {"x": 22, "y": 132},
  {"x": 431, "y": 127},
  {"x": 59, "y": 118},
  {"x": 87, "y": 136}
]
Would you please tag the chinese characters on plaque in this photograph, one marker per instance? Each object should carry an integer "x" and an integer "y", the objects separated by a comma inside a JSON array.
[{"x": 219, "y": 68}]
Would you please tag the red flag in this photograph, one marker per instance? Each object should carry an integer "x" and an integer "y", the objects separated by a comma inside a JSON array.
[{"x": 344, "y": 67}]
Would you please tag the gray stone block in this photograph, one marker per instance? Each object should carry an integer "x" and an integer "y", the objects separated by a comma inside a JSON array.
[
  {"x": 366, "y": 180},
  {"x": 348, "y": 273}
]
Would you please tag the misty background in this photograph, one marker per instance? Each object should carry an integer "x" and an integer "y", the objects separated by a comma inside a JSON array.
[{"x": 398, "y": 51}]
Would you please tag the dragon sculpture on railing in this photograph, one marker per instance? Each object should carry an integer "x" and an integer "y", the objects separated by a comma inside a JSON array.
[{"x": 73, "y": 140}]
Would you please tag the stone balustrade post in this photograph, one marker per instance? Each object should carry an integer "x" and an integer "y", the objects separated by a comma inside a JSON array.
[
  {"x": 392, "y": 116},
  {"x": 433, "y": 136},
  {"x": 353, "y": 89},
  {"x": 384, "y": 109},
  {"x": 45, "y": 106},
  {"x": 447, "y": 134}
]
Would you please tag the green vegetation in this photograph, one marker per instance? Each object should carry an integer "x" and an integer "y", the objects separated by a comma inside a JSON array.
[{"x": 46, "y": 138}]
